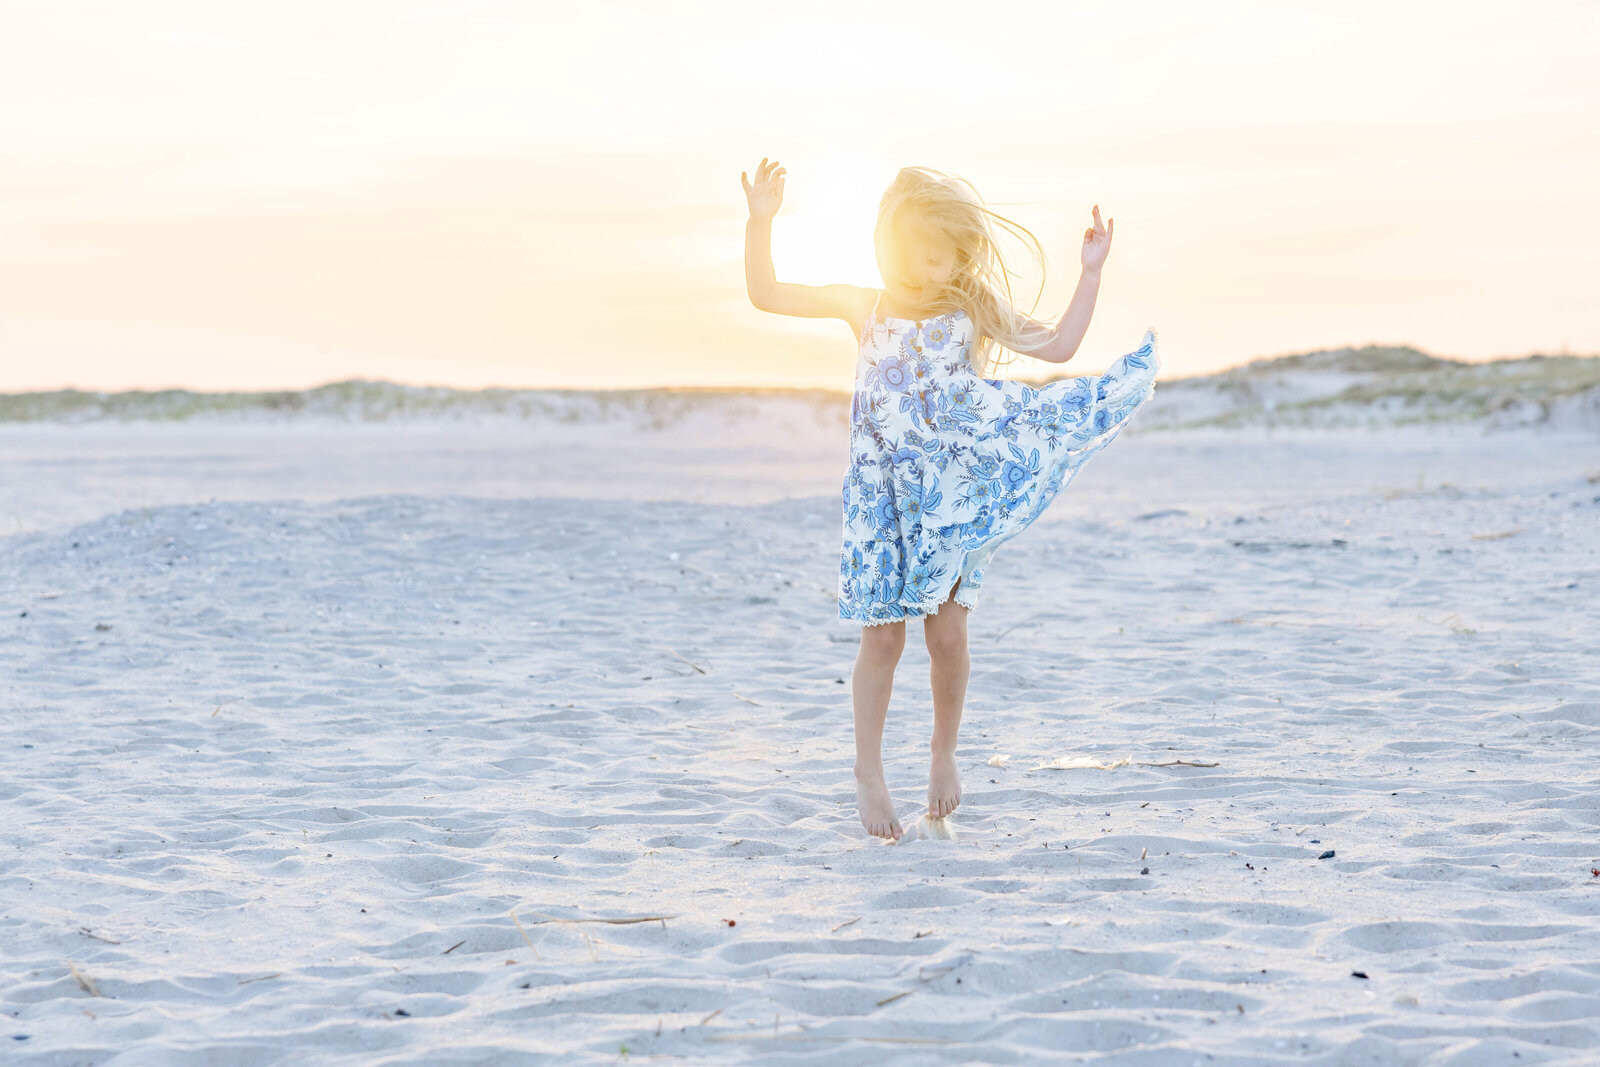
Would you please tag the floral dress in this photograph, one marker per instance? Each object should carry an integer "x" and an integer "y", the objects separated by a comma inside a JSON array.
[{"x": 945, "y": 465}]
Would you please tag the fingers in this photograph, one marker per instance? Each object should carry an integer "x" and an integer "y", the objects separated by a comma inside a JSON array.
[{"x": 1100, "y": 229}]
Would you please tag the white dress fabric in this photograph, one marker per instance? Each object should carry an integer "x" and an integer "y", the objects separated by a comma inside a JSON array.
[{"x": 945, "y": 465}]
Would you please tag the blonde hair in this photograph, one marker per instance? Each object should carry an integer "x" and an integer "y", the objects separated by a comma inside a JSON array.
[{"x": 952, "y": 212}]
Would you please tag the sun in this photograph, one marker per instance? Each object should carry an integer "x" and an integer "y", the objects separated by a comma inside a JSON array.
[{"x": 823, "y": 233}]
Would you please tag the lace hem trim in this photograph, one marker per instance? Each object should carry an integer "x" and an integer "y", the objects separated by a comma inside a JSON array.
[{"x": 920, "y": 610}]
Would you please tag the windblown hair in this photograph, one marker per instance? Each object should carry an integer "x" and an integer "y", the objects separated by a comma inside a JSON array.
[{"x": 949, "y": 210}]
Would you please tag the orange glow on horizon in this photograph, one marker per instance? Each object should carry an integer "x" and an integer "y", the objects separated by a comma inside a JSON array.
[{"x": 499, "y": 194}]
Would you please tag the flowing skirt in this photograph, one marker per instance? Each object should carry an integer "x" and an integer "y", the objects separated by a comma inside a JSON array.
[{"x": 944, "y": 468}]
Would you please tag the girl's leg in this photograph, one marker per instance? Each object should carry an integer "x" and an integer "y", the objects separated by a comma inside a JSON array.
[
  {"x": 949, "y": 668},
  {"x": 870, "y": 686}
]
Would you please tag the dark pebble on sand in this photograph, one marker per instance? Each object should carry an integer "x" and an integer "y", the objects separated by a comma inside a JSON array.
[
  {"x": 407, "y": 1014},
  {"x": 1328, "y": 855},
  {"x": 1358, "y": 974},
  {"x": 1145, "y": 870}
]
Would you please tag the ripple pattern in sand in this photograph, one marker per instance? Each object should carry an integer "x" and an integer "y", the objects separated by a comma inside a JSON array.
[{"x": 276, "y": 777}]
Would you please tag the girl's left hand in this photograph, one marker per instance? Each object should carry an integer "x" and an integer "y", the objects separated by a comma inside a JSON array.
[{"x": 1097, "y": 242}]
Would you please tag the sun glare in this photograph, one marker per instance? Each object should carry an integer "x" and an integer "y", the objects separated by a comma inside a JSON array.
[{"x": 823, "y": 234}]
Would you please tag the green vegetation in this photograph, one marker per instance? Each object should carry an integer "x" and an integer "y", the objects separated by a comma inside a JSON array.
[
  {"x": 1372, "y": 385},
  {"x": 1436, "y": 391},
  {"x": 362, "y": 401}
]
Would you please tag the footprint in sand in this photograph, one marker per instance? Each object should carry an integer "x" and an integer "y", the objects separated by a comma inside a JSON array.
[{"x": 928, "y": 828}]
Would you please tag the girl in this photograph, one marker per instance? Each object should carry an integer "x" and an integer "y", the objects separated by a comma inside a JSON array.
[{"x": 945, "y": 463}]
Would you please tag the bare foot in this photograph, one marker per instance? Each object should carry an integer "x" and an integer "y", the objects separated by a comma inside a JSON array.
[
  {"x": 944, "y": 785},
  {"x": 877, "y": 810}
]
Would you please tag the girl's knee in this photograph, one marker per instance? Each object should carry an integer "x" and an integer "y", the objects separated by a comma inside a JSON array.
[
  {"x": 885, "y": 641},
  {"x": 947, "y": 643}
]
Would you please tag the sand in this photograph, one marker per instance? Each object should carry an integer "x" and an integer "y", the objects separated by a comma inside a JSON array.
[{"x": 339, "y": 744}]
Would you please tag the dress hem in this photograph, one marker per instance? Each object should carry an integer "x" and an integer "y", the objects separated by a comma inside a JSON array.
[
  {"x": 917, "y": 611},
  {"x": 1124, "y": 399}
]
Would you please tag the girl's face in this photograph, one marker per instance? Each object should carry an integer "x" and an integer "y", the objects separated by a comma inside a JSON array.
[{"x": 925, "y": 262}]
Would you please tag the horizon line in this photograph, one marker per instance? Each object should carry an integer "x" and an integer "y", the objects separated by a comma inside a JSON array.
[{"x": 747, "y": 388}]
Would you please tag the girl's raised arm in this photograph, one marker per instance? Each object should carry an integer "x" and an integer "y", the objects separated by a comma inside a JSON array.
[
  {"x": 761, "y": 281},
  {"x": 1068, "y": 333}
]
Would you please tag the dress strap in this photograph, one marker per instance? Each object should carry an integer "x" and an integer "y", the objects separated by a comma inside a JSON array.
[{"x": 876, "y": 302}]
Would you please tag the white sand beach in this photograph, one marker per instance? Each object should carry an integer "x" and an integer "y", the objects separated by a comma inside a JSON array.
[{"x": 516, "y": 742}]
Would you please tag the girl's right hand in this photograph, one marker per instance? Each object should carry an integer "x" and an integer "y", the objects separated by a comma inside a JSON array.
[{"x": 767, "y": 192}]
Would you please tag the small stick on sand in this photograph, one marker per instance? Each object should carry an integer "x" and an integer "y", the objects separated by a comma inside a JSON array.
[
  {"x": 1014, "y": 625},
  {"x": 747, "y": 700},
  {"x": 83, "y": 980},
  {"x": 713, "y": 1015},
  {"x": 897, "y": 996},
  {"x": 690, "y": 662},
  {"x": 524, "y": 934},
  {"x": 830, "y": 1037},
  {"x": 86, "y": 932},
  {"x": 848, "y": 922},
  {"x": 662, "y": 919},
  {"x": 1179, "y": 763},
  {"x": 263, "y": 978},
  {"x": 453, "y": 947}
]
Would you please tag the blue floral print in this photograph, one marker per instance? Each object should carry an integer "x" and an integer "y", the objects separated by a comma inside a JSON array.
[{"x": 946, "y": 466}]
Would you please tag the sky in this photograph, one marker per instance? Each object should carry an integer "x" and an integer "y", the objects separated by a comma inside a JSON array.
[{"x": 256, "y": 196}]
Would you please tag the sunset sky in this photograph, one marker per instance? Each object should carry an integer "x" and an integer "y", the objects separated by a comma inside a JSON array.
[{"x": 229, "y": 195}]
